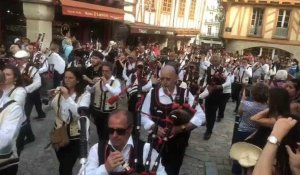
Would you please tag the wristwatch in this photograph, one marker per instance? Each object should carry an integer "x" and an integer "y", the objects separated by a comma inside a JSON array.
[
  {"x": 183, "y": 128},
  {"x": 273, "y": 140}
]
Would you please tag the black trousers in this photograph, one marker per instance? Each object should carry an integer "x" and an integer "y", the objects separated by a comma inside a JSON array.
[
  {"x": 212, "y": 103},
  {"x": 173, "y": 154},
  {"x": 34, "y": 99},
  {"x": 239, "y": 90},
  {"x": 101, "y": 120},
  {"x": 222, "y": 107},
  {"x": 67, "y": 157}
]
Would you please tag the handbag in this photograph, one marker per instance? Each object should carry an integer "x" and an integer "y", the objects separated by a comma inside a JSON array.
[{"x": 59, "y": 137}]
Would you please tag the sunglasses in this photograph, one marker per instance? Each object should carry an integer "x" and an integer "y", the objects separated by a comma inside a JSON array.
[{"x": 119, "y": 131}]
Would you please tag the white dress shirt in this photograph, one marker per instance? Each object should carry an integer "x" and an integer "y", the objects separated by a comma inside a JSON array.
[
  {"x": 243, "y": 74},
  {"x": 36, "y": 79},
  {"x": 198, "y": 119},
  {"x": 145, "y": 88},
  {"x": 93, "y": 167},
  {"x": 128, "y": 66},
  {"x": 115, "y": 89},
  {"x": 19, "y": 95},
  {"x": 58, "y": 62},
  {"x": 10, "y": 124},
  {"x": 71, "y": 105}
]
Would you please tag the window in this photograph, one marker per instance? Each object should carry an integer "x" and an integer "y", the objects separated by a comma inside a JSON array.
[
  {"x": 192, "y": 9},
  {"x": 283, "y": 18},
  {"x": 282, "y": 24},
  {"x": 181, "y": 8},
  {"x": 256, "y": 21},
  {"x": 166, "y": 7},
  {"x": 209, "y": 30},
  {"x": 149, "y": 5}
]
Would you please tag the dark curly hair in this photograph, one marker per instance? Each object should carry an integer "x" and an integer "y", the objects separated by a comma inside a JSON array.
[
  {"x": 80, "y": 86},
  {"x": 16, "y": 73}
]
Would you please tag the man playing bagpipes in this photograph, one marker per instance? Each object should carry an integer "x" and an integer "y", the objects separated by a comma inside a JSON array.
[
  {"x": 102, "y": 91},
  {"x": 168, "y": 100},
  {"x": 138, "y": 84},
  {"x": 216, "y": 83},
  {"x": 121, "y": 154}
]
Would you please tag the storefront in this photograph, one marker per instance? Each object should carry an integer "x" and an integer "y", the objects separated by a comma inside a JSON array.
[{"x": 90, "y": 20}]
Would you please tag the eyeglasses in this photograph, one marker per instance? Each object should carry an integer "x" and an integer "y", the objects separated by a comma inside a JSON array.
[{"x": 119, "y": 131}]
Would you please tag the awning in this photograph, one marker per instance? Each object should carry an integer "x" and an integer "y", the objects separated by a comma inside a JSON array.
[
  {"x": 87, "y": 10},
  {"x": 157, "y": 30}
]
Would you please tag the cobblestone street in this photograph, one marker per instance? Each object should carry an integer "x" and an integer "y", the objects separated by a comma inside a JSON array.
[{"x": 202, "y": 157}]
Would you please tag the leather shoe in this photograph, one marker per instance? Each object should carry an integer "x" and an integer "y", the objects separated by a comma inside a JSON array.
[
  {"x": 207, "y": 136},
  {"x": 40, "y": 117}
]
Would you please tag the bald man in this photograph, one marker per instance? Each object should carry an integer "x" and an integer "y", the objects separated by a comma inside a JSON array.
[{"x": 160, "y": 101}]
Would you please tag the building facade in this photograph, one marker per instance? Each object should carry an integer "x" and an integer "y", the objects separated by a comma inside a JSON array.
[
  {"x": 167, "y": 22},
  {"x": 264, "y": 27},
  {"x": 211, "y": 21}
]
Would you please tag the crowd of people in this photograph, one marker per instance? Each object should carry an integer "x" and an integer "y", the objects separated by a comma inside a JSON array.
[{"x": 169, "y": 92}]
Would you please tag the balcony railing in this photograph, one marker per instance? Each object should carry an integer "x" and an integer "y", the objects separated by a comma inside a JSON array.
[
  {"x": 281, "y": 32},
  {"x": 255, "y": 30}
]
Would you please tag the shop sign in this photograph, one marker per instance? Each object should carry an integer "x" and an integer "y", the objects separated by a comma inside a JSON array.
[{"x": 89, "y": 13}]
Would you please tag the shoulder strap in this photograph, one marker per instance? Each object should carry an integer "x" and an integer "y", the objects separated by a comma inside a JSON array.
[
  {"x": 101, "y": 149},
  {"x": 6, "y": 104},
  {"x": 11, "y": 91}
]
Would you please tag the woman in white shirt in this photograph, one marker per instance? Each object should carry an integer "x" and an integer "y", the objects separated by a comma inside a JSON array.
[
  {"x": 13, "y": 89},
  {"x": 66, "y": 102}
]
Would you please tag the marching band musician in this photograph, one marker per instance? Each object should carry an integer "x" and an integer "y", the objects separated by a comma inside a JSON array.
[
  {"x": 191, "y": 78},
  {"x": 78, "y": 60},
  {"x": 161, "y": 99},
  {"x": 11, "y": 117},
  {"x": 217, "y": 83},
  {"x": 117, "y": 156},
  {"x": 104, "y": 89},
  {"x": 13, "y": 89},
  {"x": 58, "y": 63},
  {"x": 129, "y": 66},
  {"x": 93, "y": 73},
  {"x": 67, "y": 99},
  {"x": 243, "y": 75},
  {"x": 32, "y": 82},
  {"x": 138, "y": 83}
]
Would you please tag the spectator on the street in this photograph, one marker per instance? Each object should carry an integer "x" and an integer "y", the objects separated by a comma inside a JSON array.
[
  {"x": 282, "y": 140},
  {"x": 294, "y": 68},
  {"x": 259, "y": 93},
  {"x": 110, "y": 157}
]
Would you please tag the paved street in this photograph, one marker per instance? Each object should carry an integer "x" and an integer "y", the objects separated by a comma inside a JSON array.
[{"x": 202, "y": 157}]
